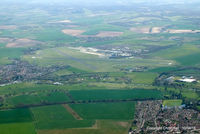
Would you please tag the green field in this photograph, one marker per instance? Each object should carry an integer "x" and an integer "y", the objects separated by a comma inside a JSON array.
[
  {"x": 38, "y": 98},
  {"x": 17, "y": 128},
  {"x": 163, "y": 69},
  {"x": 57, "y": 117},
  {"x": 103, "y": 127},
  {"x": 52, "y": 34},
  {"x": 15, "y": 115},
  {"x": 6, "y": 54},
  {"x": 172, "y": 103},
  {"x": 189, "y": 60},
  {"x": 115, "y": 94},
  {"x": 11, "y": 52},
  {"x": 117, "y": 111},
  {"x": 185, "y": 54}
]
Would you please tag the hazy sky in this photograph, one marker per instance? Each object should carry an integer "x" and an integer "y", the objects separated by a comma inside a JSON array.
[{"x": 101, "y": 2}]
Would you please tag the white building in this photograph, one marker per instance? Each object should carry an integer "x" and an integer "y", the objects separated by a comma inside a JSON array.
[{"x": 189, "y": 80}]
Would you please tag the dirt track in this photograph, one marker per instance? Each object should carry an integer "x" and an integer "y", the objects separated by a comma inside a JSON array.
[{"x": 74, "y": 114}]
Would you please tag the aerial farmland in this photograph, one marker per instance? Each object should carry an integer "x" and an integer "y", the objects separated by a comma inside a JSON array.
[{"x": 101, "y": 67}]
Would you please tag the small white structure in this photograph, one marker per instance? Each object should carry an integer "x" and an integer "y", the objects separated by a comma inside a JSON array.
[
  {"x": 189, "y": 80},
  {"x": 57, "y": 83}
]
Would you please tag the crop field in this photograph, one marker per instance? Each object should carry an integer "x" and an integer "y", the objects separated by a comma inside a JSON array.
[
  {"x": 163, "y": 69},
  {"x": 16, "y": 115},
  {"x": 117, "y": 111},
  {"x": 38, "y": 98},
  {"x": 17, "y": 128},
  {"x": 189, "y": 60},
  {"x": 115, "y": 94},
  {"x": 176, "y": 51},
  {"x": 103, "y": 126},
  {"x": 57, "y": 117},
  {"x": 52, "y": 35}
]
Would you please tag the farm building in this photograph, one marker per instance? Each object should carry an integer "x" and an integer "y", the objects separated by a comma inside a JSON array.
[{"x": 186, "y": 79}]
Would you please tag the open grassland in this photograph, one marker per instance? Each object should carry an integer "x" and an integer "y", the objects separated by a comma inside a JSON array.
[
  {"x": 143, "y": 77},
  {"x": 103, "y": 127},
  {"x": 17, "y": 128},
  {"x": 57, "y": 117},
  {"x": 189, "y": 60},
  {"x": 115, "y": 94},
  {"x": 119, "y": 111},
  {"x": 15, "y": 115},
  {"x": 172, "y": 103},
  {"x": 184, "y": 55}
]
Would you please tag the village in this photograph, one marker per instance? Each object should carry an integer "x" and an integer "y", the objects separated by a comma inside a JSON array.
[
  {"x": 152, "y": 117},
  {"x": 20, "y": 71}
]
